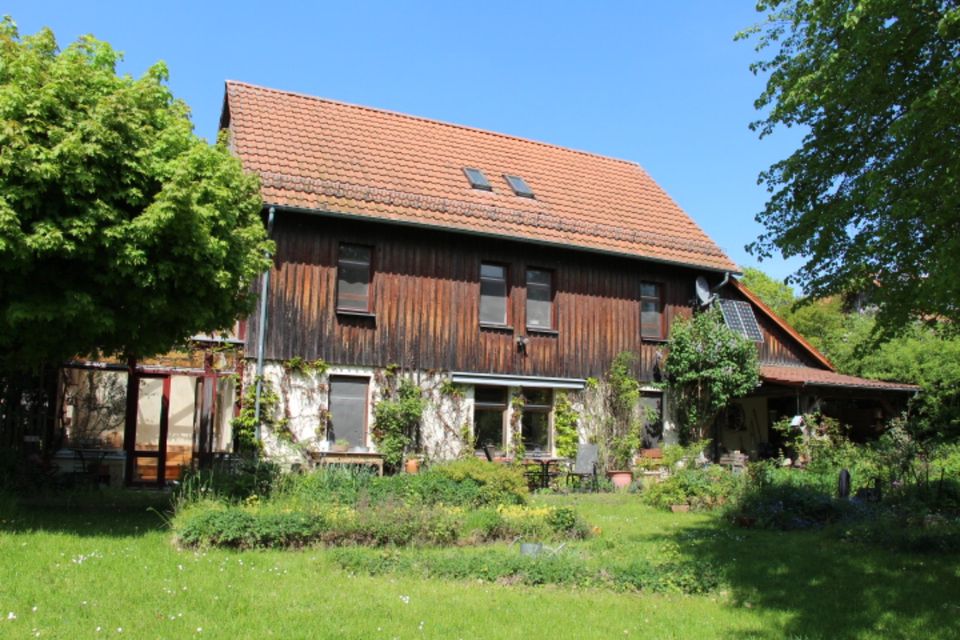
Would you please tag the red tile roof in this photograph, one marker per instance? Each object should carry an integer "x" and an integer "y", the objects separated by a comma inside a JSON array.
[
  {"x": 808, "y": 376},
  {"x": 322, "y": 155}
]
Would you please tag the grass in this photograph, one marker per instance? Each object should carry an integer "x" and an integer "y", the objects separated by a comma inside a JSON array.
[{"x": 113, "y": 567}]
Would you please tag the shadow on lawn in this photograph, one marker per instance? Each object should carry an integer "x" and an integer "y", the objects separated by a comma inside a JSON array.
[
  {"x": 87, "y": 513},
  {"x": 827, "y": 588}
]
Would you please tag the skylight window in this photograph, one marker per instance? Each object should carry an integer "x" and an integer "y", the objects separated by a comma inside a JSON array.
[
  {"x": 477, "y": 179},
  {"x": 519, "y": 186},
  {"x": 739, "y": 316}
]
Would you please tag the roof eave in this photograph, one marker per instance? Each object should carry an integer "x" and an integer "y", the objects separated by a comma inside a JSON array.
[{"x": 471, "y": 232}]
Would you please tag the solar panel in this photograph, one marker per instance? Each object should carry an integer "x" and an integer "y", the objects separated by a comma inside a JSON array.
[
  {"x": 519, "y": 186},
  {"x": 739, "y": 316},
  {"x": 477, "y": 179}
]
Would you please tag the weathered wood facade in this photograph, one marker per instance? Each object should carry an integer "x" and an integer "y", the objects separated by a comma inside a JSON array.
[{"x": 425, "y": 296}]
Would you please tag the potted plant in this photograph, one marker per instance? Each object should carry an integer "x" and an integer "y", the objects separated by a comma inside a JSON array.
[{"x": 340, "y": 446}]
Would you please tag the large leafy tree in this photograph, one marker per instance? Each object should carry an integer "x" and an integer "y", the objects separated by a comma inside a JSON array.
[
  {"x": 872, "y": 196},
  {"x": 120, "y": 230}
]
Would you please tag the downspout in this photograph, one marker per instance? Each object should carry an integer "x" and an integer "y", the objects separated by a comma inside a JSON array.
[
  {"x": 261, "y": 331},
  {"x": 723, "y": 283}
]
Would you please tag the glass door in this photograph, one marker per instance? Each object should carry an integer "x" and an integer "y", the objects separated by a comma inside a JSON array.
[{"x": 149, "y": 447}]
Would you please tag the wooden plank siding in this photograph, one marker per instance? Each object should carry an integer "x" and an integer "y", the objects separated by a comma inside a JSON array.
[{"x": 425, "y": 295}]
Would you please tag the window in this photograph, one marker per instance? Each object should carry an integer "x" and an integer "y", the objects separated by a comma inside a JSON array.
[
  {"x": 493, "y": 294},
  {"x": 519, "y": 186},
  {"x": 651, "y": 405},
  {"x": 651, "y": 310},
  {"x": 353, "y": 278},
  {"x": 477, "y": 179},
  {"x": 535, "y": 423},
  {"x": 539, "y": 299},
  {"x": 488, "y": 407},
  {"x": 739, "y": 316},
  {"x": 348, "y": 410}
]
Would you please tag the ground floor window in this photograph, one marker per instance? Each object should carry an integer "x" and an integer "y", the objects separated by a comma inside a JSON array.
[
  {"x": 535, "y": 423},
  {"x": 490, "y": 403},
  {"x": 348, "y": 410},
  {"x": 651, "y": 404}
]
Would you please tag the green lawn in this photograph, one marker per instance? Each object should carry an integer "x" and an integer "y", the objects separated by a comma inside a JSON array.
[{"x": 81, "y": 572}]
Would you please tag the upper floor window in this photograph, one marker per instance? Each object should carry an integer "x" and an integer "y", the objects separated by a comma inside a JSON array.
[
  {"x": 493, "y": 294},
  {"x": 651, "y": 310},
  {"x": 353, "y": 278},
  {"x": 539, "y": 299}
]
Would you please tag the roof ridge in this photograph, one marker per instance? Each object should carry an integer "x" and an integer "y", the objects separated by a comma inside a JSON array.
[{"x": 444, "y": 123}]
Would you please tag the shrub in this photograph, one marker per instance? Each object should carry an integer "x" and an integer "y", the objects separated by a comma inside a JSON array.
[
  {"x": 498, "y": 484},
  {"x": 785, "y": 506},
  {"x": 217, "y": 526},
  {"x": 700, "y": 488}
]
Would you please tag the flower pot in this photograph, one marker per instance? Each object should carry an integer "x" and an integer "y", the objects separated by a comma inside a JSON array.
[
  {"x": 620, "y": 479},
  {"x": 412, "y": 465},
  {"x": 680, "y": 508},
  {"x": 339, "y": 448}
]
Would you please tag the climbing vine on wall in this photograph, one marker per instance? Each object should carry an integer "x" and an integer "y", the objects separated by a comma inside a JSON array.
[
  {"x": 396, "y": 416},
  {"x": 565, "y": 422}
]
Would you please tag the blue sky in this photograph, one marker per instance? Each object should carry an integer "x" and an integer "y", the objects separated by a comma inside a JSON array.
[{"x": 659, "y": 83}]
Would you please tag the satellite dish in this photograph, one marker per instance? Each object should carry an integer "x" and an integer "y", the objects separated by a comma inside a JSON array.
[{"x": 703, "y": 291}]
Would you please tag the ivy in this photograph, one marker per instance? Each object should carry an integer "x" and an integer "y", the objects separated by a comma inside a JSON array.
[
  {"x": 396, "y": 418},
  {"x": 565, "y": 421},
  {"x": 708, "y": 366},
  {"x": 245, "y": 425},
  {"x": 517, "y": 403},
  {"x": 621, "y": 431},
  {"x": 306, "y": 367}
]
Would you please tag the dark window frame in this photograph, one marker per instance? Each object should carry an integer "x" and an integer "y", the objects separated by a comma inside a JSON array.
[
  {"x": 371, "y": 270},
  {"x": 661, "y": 309},
  {"x": 506, "y": 296},
  {"x": 553, "y": 300}
]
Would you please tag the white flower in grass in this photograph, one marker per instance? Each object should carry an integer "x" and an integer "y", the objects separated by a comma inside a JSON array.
[
  {"x": 199, "y": 629},
  {"x": 11, "y": 616},
  {"x": 405, "y": 599}
]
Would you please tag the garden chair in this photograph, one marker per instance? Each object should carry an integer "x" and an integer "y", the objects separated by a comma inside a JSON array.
[{"x": 585, "y": 466}]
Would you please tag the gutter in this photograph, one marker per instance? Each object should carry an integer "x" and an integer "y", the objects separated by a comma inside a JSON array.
[{"x": 262, "y": 330}]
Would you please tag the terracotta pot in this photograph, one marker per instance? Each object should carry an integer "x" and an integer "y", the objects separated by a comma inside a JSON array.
[
  {"x": 620, "y": 479},
  {"x": 412, "y": 465}
]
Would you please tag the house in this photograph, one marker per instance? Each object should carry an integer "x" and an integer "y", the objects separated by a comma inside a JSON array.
[
  {"x": 499, "y": 274},
  {"x": 507, "y": 267}
]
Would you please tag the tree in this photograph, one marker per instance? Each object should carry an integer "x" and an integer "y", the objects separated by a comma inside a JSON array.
[
  {"x": 776, "y": 294},
  {"x": 121, "y": 231},
  {"x": 872, "y": 196},
  {"x": 708, "y": 366}
]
